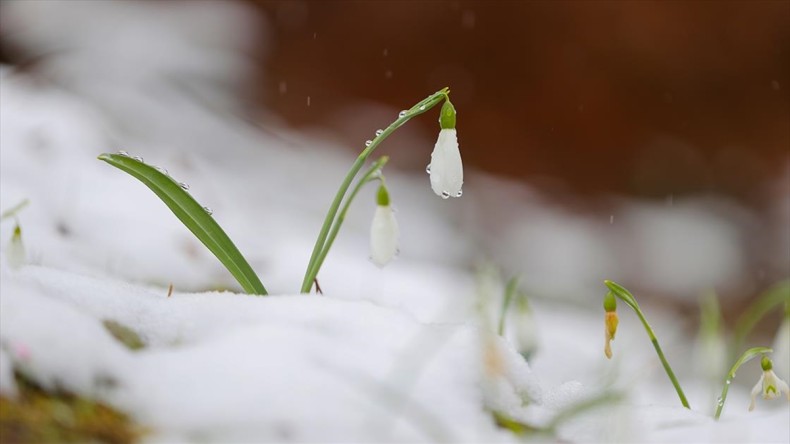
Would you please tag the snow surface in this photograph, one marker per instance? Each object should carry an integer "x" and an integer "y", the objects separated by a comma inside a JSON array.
[{"x": 405, "y": 353}]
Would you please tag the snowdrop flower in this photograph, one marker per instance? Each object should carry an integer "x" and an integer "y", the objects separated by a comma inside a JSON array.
[
  {"x": 526, "y": 331},
  {"x": 15, "y": 252},
  {"x": 769, "y": 384},
  {"x": 610, "y": 322},
  {"x": 384, "y": 230},
  {"x": 446, "y": 169}
]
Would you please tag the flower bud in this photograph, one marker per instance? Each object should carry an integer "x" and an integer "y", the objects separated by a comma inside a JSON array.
[
  {"x": 610, "y": 322},
  {"x": 15, "y": 252},
  {"x": 384, "y": 231}
]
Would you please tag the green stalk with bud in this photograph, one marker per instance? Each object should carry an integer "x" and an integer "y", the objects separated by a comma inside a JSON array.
[{"x": 626, "y": 296}]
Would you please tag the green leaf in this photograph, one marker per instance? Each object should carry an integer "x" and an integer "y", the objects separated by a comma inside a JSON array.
[
  {"x": 622, "y": 293},
  {"x": 510, "y": 290},
  {"x": 194, "y": 217}
]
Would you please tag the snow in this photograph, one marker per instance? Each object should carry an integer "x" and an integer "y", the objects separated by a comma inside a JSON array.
[
  {"x": 401, "y": 354},
  {"x": 225, "y": 366}
]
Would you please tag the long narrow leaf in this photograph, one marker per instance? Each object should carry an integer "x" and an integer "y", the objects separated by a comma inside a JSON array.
[{"x": 193, "y": 216}]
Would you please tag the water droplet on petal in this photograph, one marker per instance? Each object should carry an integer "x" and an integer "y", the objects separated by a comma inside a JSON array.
[
  {"x": 123, "y": 153},
  {"x": 422, "y": 108},
  {"x": 445, "y": 195},
  {"x": 138, "y": 158},
  {"x": 402, "y": 113},
  {"x": 183, "y": 186},
  {"x": 208, "y": 210},
  {"x": 368, "y": 142},
  {"x": 428, "y": 169},
  {"x": 379, "y": 132},
  {"x": 459, "y": 193}
]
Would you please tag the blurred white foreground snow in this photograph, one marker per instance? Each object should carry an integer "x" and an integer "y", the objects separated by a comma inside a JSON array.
[{"x": 399, "y": 354}]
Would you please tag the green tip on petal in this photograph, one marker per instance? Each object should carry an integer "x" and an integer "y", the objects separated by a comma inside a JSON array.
[
  {"x": 609, "y": 302},
  {"x": 447, "y": 117},
  {"x": 766, "y": 363},
  {"x": 383, "y": 196}
]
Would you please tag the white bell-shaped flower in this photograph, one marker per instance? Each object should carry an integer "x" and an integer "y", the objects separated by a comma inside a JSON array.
[
  {"x": 769, "y": 384},
  {"x": 384, "y": 231},
  {"x": 15, "y": 251},
  {"x": 446, "y": 168}
]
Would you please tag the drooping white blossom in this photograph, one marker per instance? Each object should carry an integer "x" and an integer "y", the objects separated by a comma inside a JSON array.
[
  {"x": 384, "y": 231},
  {"x": 446, "y": 168},
  {"x": 769, "y": 384}
]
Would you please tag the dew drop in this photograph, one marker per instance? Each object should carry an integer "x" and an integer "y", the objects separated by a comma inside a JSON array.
[
  {"x": 728, "y": 382},
  {"x": 183, "y": 186},
  {"x": 422, "y": 108},
  {"x": 162, "y": 170},
  {"x": 403, "y": 113},
  {"x": 459, "y": 193},
  {"x": 368, "y": 142},
  {"x": 428, "y": 169},
  {"x": 208, "y": 210},
  {"x": 379, "y": 132},
  {"x": 138, "y": 158},
  {"x": 123, "y": 153},
  {"x": 445, "y": 195}
]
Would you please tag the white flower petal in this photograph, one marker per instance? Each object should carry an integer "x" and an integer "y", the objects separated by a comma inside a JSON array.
[
  {"x": 384, "y": 233},
  {"x": 447, "y": 171},
  {"x": 756, "y": 391}
]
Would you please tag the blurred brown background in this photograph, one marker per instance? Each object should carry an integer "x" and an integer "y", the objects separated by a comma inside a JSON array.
[{"x": 644, "y": 98}]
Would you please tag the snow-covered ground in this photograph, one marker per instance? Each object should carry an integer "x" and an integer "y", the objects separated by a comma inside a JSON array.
[{"x": 404, "y": 353}]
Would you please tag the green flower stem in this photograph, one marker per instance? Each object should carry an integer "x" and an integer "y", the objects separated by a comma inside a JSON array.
[
  {"x": 745, "y": 357},
  {"x": 373, "y": 173},
  {"x": 320, "y": 242},
  {"x": 778, "y": 293},
  {"x": 629, "y": 299},
  {"x": 510, "y": 290}
]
